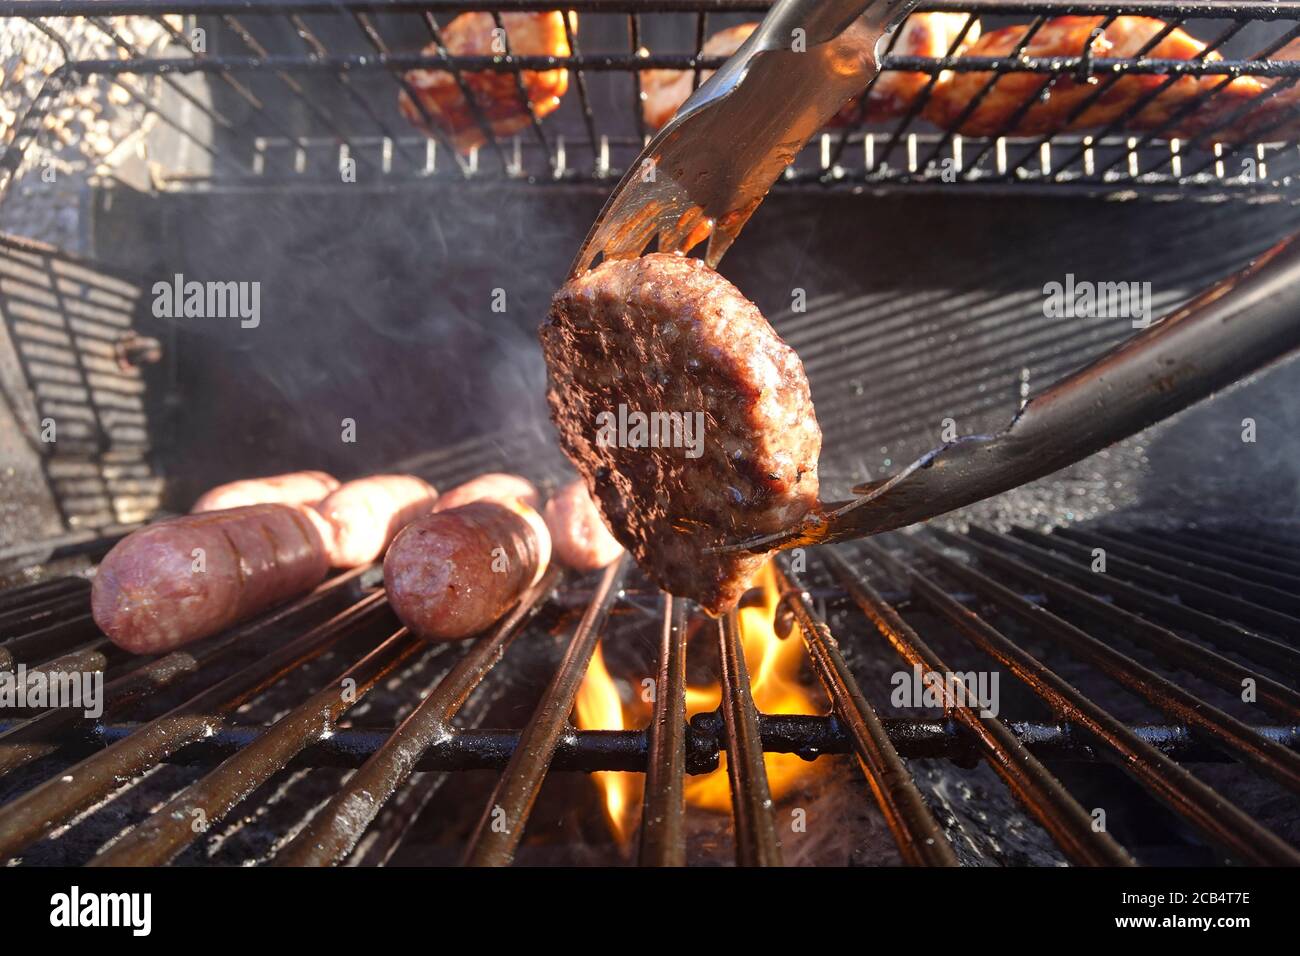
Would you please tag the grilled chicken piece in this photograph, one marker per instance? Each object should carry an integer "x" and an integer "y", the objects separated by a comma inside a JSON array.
[
  {"x": 495, "y": 93},
  {"x": 688, "y": 417},
  {"x": 923, "y": 34},
  {"x": 1273, "y": 119},
  {"x": 664, "y": 91},
  {"x": 1053, "y": 109}
]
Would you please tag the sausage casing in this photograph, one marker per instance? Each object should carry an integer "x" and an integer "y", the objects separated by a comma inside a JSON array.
[
  {"x": 187, "y": 578},
  {"x": 578, "y": 532},
  {"x": 452, "y": 574},
  {"x": 492, "y": 486},
  {"x": 363, "y": 516},
  {"x": 295, "y": 488}
]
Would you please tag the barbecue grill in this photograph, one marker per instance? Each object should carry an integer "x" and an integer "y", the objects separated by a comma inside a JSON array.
[{"x": 1140, "y": 607}]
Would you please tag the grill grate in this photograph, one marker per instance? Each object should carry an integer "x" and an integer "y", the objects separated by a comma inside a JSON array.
[
  {"x": 292, "y": 88},
  {"x": 903, "y": 588}
]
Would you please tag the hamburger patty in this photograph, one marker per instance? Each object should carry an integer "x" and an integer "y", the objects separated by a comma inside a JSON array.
[{"x": 688, "y": 417}]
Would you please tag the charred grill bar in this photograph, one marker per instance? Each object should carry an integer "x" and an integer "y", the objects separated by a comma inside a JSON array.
[
  {"x": 1044, "y": 796},
  {"x": 914, "y": 827}
]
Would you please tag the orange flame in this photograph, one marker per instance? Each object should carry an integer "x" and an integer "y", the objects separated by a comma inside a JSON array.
[
  {"x": 773, "y": 666},
  {"x": 599, "y": 708}
]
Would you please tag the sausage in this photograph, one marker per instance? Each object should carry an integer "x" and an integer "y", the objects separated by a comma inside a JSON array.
[
  {"x": 452, "y": 574},
  {"x": 578, "y": 533},
  {"x": 190, "y": 577},
  {"x": 295, "y": 488},
  {"x": 363, "y": 516},
  {"x": 493, "y": 486}
]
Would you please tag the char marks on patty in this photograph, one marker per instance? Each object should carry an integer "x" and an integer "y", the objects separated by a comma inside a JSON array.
[{"x": 667, "y": 334}]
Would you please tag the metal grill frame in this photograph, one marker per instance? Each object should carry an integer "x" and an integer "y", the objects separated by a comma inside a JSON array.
[
  {"x": 1136, "y": 599},
  {"x": 264, "y": 152}
]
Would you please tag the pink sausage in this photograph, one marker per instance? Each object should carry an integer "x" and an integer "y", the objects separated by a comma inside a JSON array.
[
  {"x": 578, "y": 531},
  {"x": 185, "y": 579},
  {"x": 295, "y": 488},
  {"x": 452, "y": 574},
  {"x": 493, "y": 486},
  {"x": 363, "y": 516}
]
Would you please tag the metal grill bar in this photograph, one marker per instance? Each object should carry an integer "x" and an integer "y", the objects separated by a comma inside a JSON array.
[
  {"x": 504, "y": 817},
  {"x": 1225, "y": 634},
  {"x": 242, "y": 758},
  {"x": 1166, "y": 696},
  {"x": 29, "y": 740},
  {"x": 1096, "y": 94},
  {"x": 1032, "y": 783},
  {"x": 1024, "y": 107},
  {"x": 173, "y": 827},
  {"x": 1256, "y": 544},
  {"x": 318, "y": 48},
  {"x": 28, "y": 817},
  {"x": 663, "y": 810},
  {"x": 1139, "y": 159},
  {"x": 400, "y": 80},
  {"x": 1218, "y": 820},
  {"x": 1278, "y": 699},
  {"x": 48, "y": 640},
  {"x": 63, "y": 604},
  {"x": 31, "y": 596},
  {"x": 918, "y": 835},
  {"x": 1236, "y": 562},
  {"x": 625, "y": 62},
  {"x": 588, "y": 751},
  {"x": 751, "y": 798},
  {"x": 1213, "y": 590},
  {"x": 1121, "y": 121},
  {"x": 1278, "y": 562},
  {"x": 334, "y": 832},
  {"x": 261, "y": 53}
]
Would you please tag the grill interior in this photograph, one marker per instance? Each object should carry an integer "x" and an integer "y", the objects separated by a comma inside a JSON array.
[{"x": 1122, "y": 689}]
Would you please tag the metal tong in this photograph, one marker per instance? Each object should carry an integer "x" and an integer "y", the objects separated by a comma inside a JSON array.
[
  {"x": 1237, "y": 326},
  {"x": 706, "y": 172}
]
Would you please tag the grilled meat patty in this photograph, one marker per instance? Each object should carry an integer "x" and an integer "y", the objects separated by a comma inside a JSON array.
[{"x": 688, "y": 417}]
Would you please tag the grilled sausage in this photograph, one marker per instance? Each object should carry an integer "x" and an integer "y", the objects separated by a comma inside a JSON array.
[
  {"x": 363, "y": 516},
  {"x": 578, "y": 533},
  {"x": 493, "y": 486},
  {"x": 184, "y": 579},
  {"x": 295, "y": 488},
  {"x": 452, "y": 574}
]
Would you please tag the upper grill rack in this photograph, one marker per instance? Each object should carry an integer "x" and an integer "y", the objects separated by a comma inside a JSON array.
[
  {"x": 286, "y": 91},
  {"x": 1215, "y": 605}
]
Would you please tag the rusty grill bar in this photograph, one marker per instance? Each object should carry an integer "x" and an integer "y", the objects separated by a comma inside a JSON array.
[
  {"x": 1044, "y": 584},
  {"x": 336, "y": 83}
]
